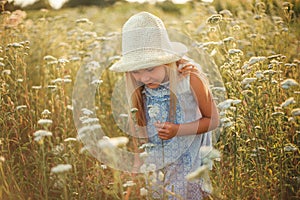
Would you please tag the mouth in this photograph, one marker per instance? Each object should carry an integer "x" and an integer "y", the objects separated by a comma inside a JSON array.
[{"x": 152, "y": 85}]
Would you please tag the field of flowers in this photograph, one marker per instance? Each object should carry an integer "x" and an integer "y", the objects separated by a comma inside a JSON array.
[{"x": 256, "y": 49}]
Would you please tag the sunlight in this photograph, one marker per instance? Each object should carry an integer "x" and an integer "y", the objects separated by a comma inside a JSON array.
[{"x": 56, "y": 4}]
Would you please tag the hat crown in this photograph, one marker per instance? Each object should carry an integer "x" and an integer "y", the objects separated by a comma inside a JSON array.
[
  {"x": 145, "y": 43},
  {"x": 143, "y": 20},
  {"x": 144, "y": 31}
]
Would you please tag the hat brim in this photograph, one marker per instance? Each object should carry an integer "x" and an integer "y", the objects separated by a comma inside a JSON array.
[{"x": 145, "y": 58}]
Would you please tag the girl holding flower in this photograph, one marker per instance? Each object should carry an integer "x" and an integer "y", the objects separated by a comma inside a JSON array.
[{"x": 175, "y": 109}]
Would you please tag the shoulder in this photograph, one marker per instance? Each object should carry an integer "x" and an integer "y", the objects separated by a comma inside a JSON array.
[{"x": 199, "y": 84}]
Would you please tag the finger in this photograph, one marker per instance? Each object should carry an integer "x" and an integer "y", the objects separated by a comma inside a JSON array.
[
  {"x": 157, "y": 125},
  {"x": 163, "y": 136},
  {"x": 163, "y": 131}
]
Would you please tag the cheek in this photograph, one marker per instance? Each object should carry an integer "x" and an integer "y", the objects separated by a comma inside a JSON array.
[{"x": 136, "y": 77}]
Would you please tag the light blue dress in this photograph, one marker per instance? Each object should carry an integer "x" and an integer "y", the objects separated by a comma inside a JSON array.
[{"x": 178, "y": 156}]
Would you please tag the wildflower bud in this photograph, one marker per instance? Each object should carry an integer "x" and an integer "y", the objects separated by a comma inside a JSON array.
[
  {"x": 143, "y": 192},
  {"x": 214, "y": 19},
  {"x": 133, "y": 110}
]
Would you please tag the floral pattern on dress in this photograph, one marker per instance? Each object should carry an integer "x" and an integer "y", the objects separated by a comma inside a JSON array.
[{"x": 180, "y": 155}]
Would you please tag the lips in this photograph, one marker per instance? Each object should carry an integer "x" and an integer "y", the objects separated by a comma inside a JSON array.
[{"x": 152, "y": 85}]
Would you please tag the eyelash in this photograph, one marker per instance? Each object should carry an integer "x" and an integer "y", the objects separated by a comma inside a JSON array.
[{"x": 150, "y": 69}]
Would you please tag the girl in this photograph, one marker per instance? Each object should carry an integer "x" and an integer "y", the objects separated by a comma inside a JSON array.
[{"x": 175, "y": 109}]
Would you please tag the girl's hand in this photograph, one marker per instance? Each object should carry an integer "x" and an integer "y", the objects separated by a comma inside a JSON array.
[{"x": 166, "y": 130}]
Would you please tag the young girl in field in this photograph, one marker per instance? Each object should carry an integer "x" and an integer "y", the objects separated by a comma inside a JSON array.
[{"x": 175, "y": 109}]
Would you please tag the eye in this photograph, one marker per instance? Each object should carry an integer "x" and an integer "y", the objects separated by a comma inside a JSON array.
[
  {"x": 150, "y": 69},
  {"x": 135, "y": 72}
]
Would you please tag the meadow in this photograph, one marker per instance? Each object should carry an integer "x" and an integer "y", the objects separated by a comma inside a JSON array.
[{"x": 255, "y": 48}]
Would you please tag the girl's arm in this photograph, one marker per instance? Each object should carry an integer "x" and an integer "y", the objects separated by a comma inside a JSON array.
[{"x": 210, "y": 116}]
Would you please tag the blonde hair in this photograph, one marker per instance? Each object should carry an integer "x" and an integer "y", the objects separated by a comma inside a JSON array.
[{"x": 136, "y": 97}]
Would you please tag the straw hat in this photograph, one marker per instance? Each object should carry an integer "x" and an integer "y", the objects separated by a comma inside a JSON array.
[{"x": 145, "y": 43}]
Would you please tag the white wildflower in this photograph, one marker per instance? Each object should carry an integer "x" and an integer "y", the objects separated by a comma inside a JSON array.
[
  {"x": 228, "y": 39},
  {"x": 55, "y": 62},
  {"x": 58, "y": 149},
  {"x": 38, "y": 87},
  {"x": 15, "y": 45},
  {"x": 290, "y": 148},
  {"x": 74, "y": 58},
  {"x": 90, "y": 120},
  {"x": 222, "y": 89},
  {"x": 254, "y": 60},
  {"x": 143, "y": 191},
  {"x": 287, "y": 83},
  {"x": 248, "y": 80},
  {"x": 198, "y": 173},
  {"x": 85, "y": 130},
  {"x": 40, "y": 134},
  {"x": 86, "y": 111},
  {"x": 147, "y": 146},
  {"x": 97, "y": 82},
  {"x": 83, "y": 21},
  {"x": 144, "y": 155},
  {"x": 288, "y": 102},
  {"x": 258, "y": 127},
  {"x": 290, "y": 65},
  {"x": 52, "y": 87},
  {"x": 227, "y": 103},
  {"x": 103, "y": 166},
  {"x": 2, "y": 159},
  {"x": 296, "y": 112},
  {"x": 61, "y": 168},
  {"x": 70, "y": 107},
  {"x": 123, "y": 115},
  {"x": 213, "y": 52},
  {"x": 153, "y": 111},
  {"x": 63, "y": 61},
  {"x": 92, "y": 66},
  {"x": 69, "y": 139},
  {"x": 274, "y": 82},
  {"x": 21, "y": 107},
  {"x": 83, "y": 149},
  {"x": 49, "y": 58},
  {"x": 236, "y": 101},
  {"x": 61, "y": 80},
  {"x": 107, "y": 142},
  {"x": 46, "y": 112},
  {"x": 235, "y": 51},
  {"x": 291, "y": 119},
  {"x": 133, "y": 110},
  {"x": 129, "y": 184},
  {"x": 259, "y": 74},
  {"x": 227, "y": 124},
  {"x": 225, "y": 119},
  {"x": 275, "y": 114},
  {"x": 161, "y": 176},
  {"x": 209, "y": 152},
  {"x": 45, "y": 122}
]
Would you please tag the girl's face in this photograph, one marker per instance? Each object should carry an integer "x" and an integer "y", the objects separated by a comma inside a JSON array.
[{"x": 151, "y": 77}]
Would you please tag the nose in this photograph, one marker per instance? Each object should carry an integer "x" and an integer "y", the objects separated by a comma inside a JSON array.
[{"x": 144, "y": 78}]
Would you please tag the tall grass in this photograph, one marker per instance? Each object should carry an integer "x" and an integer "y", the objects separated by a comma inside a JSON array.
[{"x": 256, "y": 50}]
